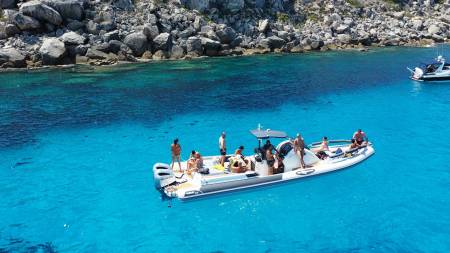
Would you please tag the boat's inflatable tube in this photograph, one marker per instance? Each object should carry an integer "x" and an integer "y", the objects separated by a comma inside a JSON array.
[{"x": 162, "y": 175}]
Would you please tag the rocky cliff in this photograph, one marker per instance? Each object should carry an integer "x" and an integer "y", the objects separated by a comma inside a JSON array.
[{"x": 58, "y": 32}]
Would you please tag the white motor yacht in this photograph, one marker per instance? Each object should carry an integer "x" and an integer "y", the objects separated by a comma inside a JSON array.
[
  {"x": 436, "y": 71},
  {"x": 213, "y": 178}
]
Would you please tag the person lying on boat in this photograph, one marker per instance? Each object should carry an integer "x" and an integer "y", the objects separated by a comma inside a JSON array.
[
  {"x": 176, "y": 153},
  {"x": 323, "y": 146},
  {"x": 360, "y": 137}
]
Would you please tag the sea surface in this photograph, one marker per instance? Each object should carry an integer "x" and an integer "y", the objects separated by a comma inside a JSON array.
[{"x": 77, "y": 148}]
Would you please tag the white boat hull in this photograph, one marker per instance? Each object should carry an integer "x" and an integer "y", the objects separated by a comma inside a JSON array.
[{"x": 203, "y": 186}]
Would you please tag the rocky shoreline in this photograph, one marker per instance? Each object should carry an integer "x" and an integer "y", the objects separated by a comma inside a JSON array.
[{"x": 41, "y": 33}]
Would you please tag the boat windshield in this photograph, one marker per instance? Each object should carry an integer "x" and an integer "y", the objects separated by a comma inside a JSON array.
[{"x": 431, "y": 67}]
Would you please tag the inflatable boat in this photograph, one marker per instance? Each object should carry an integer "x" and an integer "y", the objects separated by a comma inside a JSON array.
[{"x": 215, "y": 179}]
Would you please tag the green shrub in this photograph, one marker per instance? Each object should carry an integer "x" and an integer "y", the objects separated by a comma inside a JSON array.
[
  {"x": 313, "y": 17},
  {"x": 355, "y": 3},
  {"x": 2, "y": 18},
  {"x": 282, "y": 17}
]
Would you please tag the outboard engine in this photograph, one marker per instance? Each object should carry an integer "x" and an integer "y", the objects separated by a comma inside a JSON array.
[
  {"x": 162, "y": 175},
  {"x": 418, "y": 73}
]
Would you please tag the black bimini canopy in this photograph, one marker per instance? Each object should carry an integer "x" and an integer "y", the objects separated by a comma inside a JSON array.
[{"x": 267, "y": 133}]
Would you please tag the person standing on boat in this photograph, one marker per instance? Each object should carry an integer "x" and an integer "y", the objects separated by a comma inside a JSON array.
[
  {"x": 222, "y": 148},
  {"x": 360, "y": 137},
  {"x": 270, "y": 160},
  {"x": 299, "y": 148},
  {"x": 176, "y": 153}
]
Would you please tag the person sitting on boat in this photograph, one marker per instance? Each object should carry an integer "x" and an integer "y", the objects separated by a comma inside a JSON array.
[
  {"x": 299, "y": 148},
  {"x": 353, "y": 145},
  {"x": 222, "y": 148},
  {"x": 195, "y": 163},
  {"x": 279, "y": 166},
  {"x": 176, "y": 153},
  {"x": 192, "y": 155},
  {"x": 270, "y": 160},
  {"x": 360, "y": 137},
  {"x": 323, "y": 146},
  {"x": 198, "y": 160},
  {"x": 238, "y": 152},
  {"x": 191, "y": 163},
  {"x": 239, "y": 163}
]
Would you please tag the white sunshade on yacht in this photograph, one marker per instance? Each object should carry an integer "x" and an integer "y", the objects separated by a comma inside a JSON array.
[{"x": 267, "y": 133}]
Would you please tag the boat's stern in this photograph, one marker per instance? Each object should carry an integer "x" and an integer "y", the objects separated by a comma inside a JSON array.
[
  {"x": 162, "y": 175},
  {"x": 417, "y": 74}
]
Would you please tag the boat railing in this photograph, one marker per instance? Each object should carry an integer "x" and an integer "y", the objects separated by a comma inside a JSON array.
[{"x": 331, "y": 142}]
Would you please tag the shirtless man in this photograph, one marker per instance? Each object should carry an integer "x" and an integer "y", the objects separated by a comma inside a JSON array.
[
  {"x": 270, "y": 160},
  {"x": 353, "y": 145},
  {"x": 222, "y": 148},
  {"x": 360, "y": 137},
  {"x": 176, "y": 153},
  {"x": 299, "y": 148}
]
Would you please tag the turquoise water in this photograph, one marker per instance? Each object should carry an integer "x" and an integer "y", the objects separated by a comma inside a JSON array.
[{"x": 77, "y": 147}]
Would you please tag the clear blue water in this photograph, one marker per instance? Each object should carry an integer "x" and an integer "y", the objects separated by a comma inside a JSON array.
[{"x": 77, "y": 147}]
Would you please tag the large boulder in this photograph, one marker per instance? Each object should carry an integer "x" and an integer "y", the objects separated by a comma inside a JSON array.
[
  {"x": 151, "y": 31},
  {"x": 68, "y": 9},
  {"x": 11, "y": 30},
  {"x": 226, "y": 35},
  {"x": 115, "y": 46},
  {"x": 41, "y": 12},
  {"x": 344, "y": 38},
  {"x": 162, "y": 42},
  {"x": 113, "y": 35},
  {"x": 137, "y": 42},
  {"x": 23, "y": 22},
  {"x": 11, "y": 57},
  {"x": 177, "y": 52},
  {"x": 276, "y": 42},
  {"x": 434, "y": 29},
  {"x": 188, "y": 32},
  {"x": 73, "y": 38},
  {"x": 417, "y": 24},
  {"x": 7, "y": 4},
  {"x": 342, "y": 28},
  {"x": 211, "y": 47},
  {"x": 96, "y": 54},
  {"x": 194, "y": 46},
  {"x": 52, "y": 51},
  {"x": 263, "y": 25}
]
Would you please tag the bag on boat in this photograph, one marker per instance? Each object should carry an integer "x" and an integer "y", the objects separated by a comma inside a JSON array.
[{"x": 203, "y": 171}]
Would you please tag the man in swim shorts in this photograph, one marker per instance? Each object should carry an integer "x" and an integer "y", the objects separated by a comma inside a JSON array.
[
  {"x": 299, "y": 148},
  {"x": 176, "y": 153},
  {"x": 360, "y": 137},
  {"x": 222, "y": 148}
]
